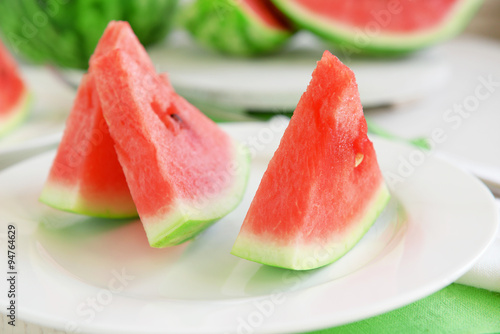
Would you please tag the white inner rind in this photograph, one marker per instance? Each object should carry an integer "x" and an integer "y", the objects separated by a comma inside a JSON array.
[
  {"x": 315, "y": 253},
  {"x": 17, "y": 114},
  {"x": 184, "y": 219},
  {"x": 452, "y": 23},
  {"x": 68, "y": 198}
]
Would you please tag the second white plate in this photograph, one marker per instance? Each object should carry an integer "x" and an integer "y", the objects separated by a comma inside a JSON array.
[{"x": 278, "y": 81}]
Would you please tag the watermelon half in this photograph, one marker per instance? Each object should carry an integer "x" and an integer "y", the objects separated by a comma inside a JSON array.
[
  {"x": 183, "y": 171},
  {"x": 14, "y": 95},
  {"x": 323, "y": 188},
  {"x": 381, "y": 26},
  {"x": 86, "y": 177},
  {"x": 244, "y": 28}
]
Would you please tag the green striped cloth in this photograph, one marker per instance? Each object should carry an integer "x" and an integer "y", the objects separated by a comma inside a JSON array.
[{"x": 455, "y": 309}]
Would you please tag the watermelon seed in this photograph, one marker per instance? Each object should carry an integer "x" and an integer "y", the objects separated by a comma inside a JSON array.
[
  {"x": 168, "y": 116},
  {"x": 358, "y": 159},
  {"x": 176, "y": 118}
]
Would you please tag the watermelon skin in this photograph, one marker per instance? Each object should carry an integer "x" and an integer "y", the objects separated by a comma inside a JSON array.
[
  {"x": 239, "y": 28},
  {"x": 65, "y": 33},
  {"x": 14, "y": 95},
  {"x": 348, "y": 27},
  {"x": 86, "y": 176},
  {"x": 323, "y": 188},
  {"x": 184, "y": 173}
]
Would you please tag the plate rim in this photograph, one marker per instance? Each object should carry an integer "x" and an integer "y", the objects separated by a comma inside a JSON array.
[{"x": 32, "y": 144}]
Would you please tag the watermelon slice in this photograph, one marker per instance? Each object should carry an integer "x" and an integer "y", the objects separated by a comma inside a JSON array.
[
  {"x": 385, "y": 26},
  {"x": 244, "y": 28},
  {"x": 323, "y": 188},
  {"x": 14, "y": 95},
  {"x": 184, "y": 173},
  {"x": 86, "y": 177}
]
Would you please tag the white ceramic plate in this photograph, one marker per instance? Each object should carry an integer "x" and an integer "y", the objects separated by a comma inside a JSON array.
[
  {"x": 51, "y": 103},
  {"x": 279, "y": 80},
  {"x": 101, "y": 276}
]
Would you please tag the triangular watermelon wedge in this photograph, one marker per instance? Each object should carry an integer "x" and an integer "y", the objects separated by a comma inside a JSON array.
[
  {"x": 14, "y": 95},
  {"x": 184, "y": 172},
  {"x": 86, "y": 177},
  {"x": 323, "y": 188}
]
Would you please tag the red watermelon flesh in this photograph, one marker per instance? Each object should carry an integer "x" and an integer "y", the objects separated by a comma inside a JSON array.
[
  {"x": 86, "y": 176},
  {"x": 323, "y": 188},
  {"x": 380, "y": 26},
  {"x": 267, "y": 13},
  {"x": 184, "y": 172},
  {"x": 14, "y": 95},
  {"x": 405, "y": 15}
]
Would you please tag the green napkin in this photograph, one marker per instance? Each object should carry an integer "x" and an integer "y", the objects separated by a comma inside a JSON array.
[{"x": 455, "y": 309}]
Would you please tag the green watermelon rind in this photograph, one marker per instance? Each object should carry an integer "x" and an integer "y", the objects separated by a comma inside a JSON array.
[
  {"x": 254, "y": 248},
  {"x": 227, "y": 28},
  {"x": 70, "y": 34},
  {"x": 345, "y": 37},
  {"x": 186, "y": 222},
  {"x": 67, "y": 198},
  {"x": 17, "y": 114}
]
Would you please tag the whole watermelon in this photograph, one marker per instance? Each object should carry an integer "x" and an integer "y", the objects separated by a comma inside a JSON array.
[{"x": 65, "y": 32}]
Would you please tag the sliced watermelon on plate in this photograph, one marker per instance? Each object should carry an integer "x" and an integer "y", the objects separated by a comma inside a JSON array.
[
  {"x": 86, "y": 177},
  {"x": 381, "y": 26},
  {"x": 323, "y": 188},
  {"x": 14, "y": 95},
  {"x": 183, "y": 171},
  {"x": 129, "y": 130}
]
